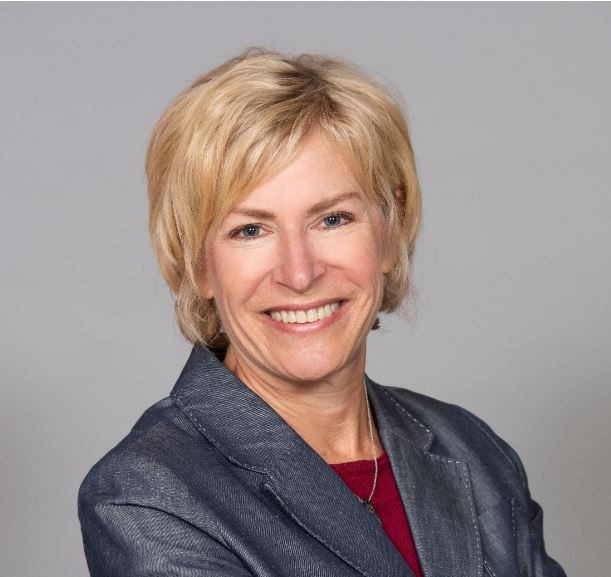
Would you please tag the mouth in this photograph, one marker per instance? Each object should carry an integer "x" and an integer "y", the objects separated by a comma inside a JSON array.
[{"x": 310, "y": 314}]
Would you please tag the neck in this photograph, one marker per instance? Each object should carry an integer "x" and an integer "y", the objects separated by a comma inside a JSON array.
[{"x": 330, "y": 415}]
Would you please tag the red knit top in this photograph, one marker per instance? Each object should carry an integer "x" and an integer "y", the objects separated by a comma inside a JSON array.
[{"x": 358, "y": 475}]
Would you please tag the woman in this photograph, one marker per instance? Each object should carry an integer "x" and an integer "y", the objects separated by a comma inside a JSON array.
[{"x": 284, "y": 208}]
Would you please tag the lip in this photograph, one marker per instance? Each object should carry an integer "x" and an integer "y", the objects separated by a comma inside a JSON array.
[
  {"x": 300, "y": 328},
  {"x": 306, "y": 306}
]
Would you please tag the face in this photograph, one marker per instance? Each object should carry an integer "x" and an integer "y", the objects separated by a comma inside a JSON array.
[{"x": 296, "y": 270}]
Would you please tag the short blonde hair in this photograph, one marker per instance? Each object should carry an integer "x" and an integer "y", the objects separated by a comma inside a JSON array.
[{"x": 242, "y": 122}]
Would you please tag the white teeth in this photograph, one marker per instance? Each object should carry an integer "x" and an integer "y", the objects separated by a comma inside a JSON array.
[{"x": 309, "y": 316}]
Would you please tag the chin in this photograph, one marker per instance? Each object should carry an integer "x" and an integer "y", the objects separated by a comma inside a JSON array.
[{"x": 306, "y": 366}]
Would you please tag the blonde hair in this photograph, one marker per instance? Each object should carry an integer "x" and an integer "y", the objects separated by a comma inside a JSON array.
[{"x": 242, "y": 122}]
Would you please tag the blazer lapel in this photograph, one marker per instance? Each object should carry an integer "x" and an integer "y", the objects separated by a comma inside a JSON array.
[
  {"x": 436, "y": 492},
  {"x": 319, "y": 500},
  {"x": 251, "y": 434}
]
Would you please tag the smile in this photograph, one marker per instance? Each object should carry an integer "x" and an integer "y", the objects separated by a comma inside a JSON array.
[{"x": 304, "y": 316}]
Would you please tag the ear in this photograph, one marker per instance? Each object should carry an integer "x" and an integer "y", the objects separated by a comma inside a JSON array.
[
  {"x": 389, "y": 257},
  {"x": 391, "y": 248},
  {"x": 203, "y": 281},
  {"x": 205, "y": 287}
]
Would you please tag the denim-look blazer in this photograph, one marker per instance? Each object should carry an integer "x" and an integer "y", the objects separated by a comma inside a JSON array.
[{"x": 211, "y": 481}]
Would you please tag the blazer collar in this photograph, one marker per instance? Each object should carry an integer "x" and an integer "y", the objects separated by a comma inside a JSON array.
[
  {"x": 242, "y": 425},
  {"x": 250, "y": 433}
]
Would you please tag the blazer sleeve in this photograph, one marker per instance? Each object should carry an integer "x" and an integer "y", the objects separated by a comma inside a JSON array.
[
  {"x": 532, "y": 543},
  {"x": 123, "y": 539}
]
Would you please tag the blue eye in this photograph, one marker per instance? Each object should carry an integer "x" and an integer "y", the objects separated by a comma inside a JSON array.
[
  {"x": 248, "y": 231},
  {"x": 335, "y": 220}
]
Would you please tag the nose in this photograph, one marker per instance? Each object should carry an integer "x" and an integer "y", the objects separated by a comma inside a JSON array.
[{"x": 299, "y": 262}]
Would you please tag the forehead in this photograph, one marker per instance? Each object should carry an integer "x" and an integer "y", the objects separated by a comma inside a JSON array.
[{"x": 315, "y": 173}]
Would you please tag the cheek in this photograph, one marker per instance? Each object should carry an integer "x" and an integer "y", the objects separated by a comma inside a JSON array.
[
  {"x": 238, "y": 273},
  {"x": 359, "y": 256}
]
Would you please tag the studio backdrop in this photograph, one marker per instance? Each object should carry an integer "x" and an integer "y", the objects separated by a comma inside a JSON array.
[{"x": 508, "y": 106}]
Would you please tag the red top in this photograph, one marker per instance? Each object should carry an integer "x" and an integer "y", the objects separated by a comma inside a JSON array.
[{"x": 358, "y": 475}]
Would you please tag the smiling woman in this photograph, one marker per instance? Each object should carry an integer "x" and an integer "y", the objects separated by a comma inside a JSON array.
[
  {"x": 284, "y": 209},
  {"x": 317, "y": 243},
  {"x": 239, "y": 126}
]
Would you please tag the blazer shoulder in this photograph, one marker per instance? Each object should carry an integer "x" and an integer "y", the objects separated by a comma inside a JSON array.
[
  {"x": 147, "y": 490},
  {"x": 149, "y": 465}
]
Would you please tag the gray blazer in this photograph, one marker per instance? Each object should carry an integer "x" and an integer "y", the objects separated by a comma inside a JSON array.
[{"x": 211, "y": 481}]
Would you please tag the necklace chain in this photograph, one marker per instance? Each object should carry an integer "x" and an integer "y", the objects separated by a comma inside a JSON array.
[{"x": 373, "y": 446}]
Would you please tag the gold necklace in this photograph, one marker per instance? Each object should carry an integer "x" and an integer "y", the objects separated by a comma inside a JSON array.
[{"x": 367, "y": 502}]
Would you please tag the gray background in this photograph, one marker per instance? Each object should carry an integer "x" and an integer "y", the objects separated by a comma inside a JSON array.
[{"x": 509, "y": 109}]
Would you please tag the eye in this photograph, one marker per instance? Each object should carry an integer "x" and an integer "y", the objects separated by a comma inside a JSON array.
[
  {"x": 337, "y": 219},
  {"x": 248, "y": 231}
]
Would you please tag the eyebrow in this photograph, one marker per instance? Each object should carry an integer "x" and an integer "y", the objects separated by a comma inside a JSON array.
[{"x": 314, "y": 209}]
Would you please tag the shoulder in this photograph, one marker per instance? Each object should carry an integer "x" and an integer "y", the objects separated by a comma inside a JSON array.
[
  {"x": 145, "y": 495},
  {"x": 152, "y": 465}
]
